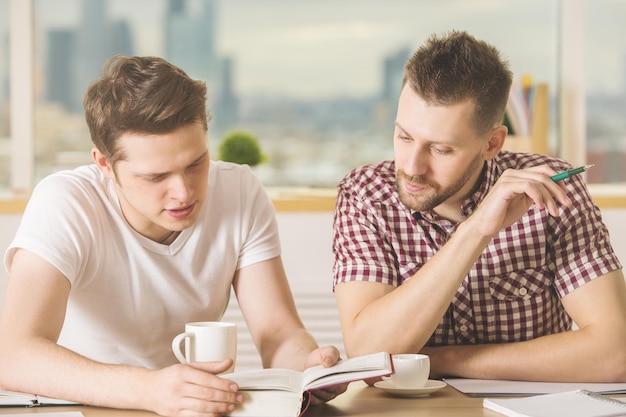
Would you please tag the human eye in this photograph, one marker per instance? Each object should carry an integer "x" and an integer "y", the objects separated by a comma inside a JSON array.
[
  {"x": 403, "y": 137},
  {"x": 197, "y": 164},
  {"x": 154, "y": 178},
  {"x": 441, "y": 150}
]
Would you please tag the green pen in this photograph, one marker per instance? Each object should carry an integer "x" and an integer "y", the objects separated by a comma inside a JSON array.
[{"x": 566, "y": 174}]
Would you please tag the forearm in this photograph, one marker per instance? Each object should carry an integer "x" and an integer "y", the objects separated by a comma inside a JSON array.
[
  {"x": 575, "y": 356},
  {"x": 288, "y": 348},
  {"x": 403, "y": 320},
  {"x": 42, "y": 367}
]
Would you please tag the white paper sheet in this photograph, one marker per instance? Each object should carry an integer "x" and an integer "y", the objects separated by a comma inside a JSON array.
[{"x": 496, "y": 387}]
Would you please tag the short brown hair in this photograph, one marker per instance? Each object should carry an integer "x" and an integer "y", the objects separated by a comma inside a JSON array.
[
  {"x": 455, "y": 67},
  {"x": 141, "y": 95}
]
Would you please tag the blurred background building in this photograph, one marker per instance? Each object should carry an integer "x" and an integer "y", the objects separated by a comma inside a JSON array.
[{"x": 317, "y": 82}]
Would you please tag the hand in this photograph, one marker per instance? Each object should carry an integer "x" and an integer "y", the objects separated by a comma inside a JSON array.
[
  {"x": 192, "y": 390},
  {"x": 326, "y": 356},
  {"x": 514, "y": 193},
  {"x": 320, "y": 396}
]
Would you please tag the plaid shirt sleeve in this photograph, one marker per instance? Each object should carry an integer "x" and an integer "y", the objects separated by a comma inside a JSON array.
[
  {"x": 362, "y": 250},
  {"x": 582, "y": 249}
]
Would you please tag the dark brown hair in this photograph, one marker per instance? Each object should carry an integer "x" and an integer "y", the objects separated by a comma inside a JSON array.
[
  {"x": 141, "y": 95},
  {"x": 455, "y": 67}
]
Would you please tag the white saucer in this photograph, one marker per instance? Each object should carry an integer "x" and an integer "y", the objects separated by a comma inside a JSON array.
[{"x": 431, "y": 386}]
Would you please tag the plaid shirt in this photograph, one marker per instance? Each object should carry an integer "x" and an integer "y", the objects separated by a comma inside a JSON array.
[{"x": 512, "y": 293}]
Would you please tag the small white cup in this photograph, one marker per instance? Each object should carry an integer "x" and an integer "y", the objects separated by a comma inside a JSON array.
[
  {"x": 411, "y": 370},
  {"x": 207, "y": 341}
]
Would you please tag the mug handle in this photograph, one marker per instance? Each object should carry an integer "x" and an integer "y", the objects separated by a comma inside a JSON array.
[{"x": 176, "y": 346}]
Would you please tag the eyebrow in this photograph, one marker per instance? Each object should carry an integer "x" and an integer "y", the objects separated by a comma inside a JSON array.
[
  {"x": 402, "y": 129},
  {"x": 158, "y": 174},
  {"x": 431, "y": 141}
]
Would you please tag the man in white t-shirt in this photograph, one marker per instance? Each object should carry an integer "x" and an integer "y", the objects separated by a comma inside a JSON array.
[{"x": 112, "y": 259}]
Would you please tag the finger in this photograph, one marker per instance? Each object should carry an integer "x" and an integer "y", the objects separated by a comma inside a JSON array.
[
  {"x": 203, "y": 407},
  {"x": 329, "y": 355},
  {"x": 206, "y": 393},
  {"x": 542, "y": 174},
  {"x": 543, "y": 199},
  {"x": 327, "y": 394},
  {"x": 539, "y": 187},
  {"x": 203, "y": 375}
]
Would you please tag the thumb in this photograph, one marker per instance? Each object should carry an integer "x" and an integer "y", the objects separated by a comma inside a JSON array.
[{"x": 328, "y": 355}]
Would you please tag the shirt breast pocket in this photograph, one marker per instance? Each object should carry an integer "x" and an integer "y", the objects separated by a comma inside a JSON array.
[{"x": 520, "y": 285}]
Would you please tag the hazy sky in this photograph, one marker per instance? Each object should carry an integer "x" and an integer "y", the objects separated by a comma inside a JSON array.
[{"x": 287, "y": 46}]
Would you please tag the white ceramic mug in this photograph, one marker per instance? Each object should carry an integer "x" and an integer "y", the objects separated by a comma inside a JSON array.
[
  {"x": 411, "y": 370},
  {"x": 207, "y": 341}
]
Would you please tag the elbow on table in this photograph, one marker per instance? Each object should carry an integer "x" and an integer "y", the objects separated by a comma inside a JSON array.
[
  {"x": 7, "y": 366},
  {"x": 616, "y": 367},
  {"x": 364, "y": 344},
  {"x": 369, "y": 343}
]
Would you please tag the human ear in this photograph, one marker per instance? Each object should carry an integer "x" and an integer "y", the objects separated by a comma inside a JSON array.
[
  {"x": 102, "y": 162},
  {"x": 495, "y": 142}
]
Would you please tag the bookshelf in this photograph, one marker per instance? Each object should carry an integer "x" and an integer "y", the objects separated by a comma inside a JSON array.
[{"x": 537, "y": 141}]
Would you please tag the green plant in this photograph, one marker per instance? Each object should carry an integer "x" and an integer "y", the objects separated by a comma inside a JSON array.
[{"x": 241, "y": 147}]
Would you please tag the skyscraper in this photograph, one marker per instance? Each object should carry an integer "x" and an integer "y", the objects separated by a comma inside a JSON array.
[{"x": 190, "y": 44}]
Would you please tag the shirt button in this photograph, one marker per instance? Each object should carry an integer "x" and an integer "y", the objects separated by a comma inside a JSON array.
[
  {"x": 523, "y": 291},
  {"x": 463, "y": 328}
]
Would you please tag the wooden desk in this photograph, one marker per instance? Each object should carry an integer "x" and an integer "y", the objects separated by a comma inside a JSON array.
[{"x": 359, "y": 400}]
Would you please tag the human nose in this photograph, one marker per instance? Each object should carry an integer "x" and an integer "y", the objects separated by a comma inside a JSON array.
[
  {"x": 179, "y": 188},
  {"x": 415, "y": 162}
]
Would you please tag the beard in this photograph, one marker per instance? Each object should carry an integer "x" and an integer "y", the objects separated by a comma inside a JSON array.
[{"x": 433, "y": 194}]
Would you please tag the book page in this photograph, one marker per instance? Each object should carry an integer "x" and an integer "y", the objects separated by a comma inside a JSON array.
[
  {"x": 267, "y": 379},
  {"x": 12, "y": 398},
  {"x": 259, "y": 403},
  {"x": 8, "y": 398},
  {"x": 348, "y": 370},
  {"x": 55, "y": 414}
]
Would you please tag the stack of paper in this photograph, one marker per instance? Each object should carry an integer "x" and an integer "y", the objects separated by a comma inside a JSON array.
[{"x": 580, "y": 403}]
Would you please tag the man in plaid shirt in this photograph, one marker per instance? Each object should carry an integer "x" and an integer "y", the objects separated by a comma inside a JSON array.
[{"x": 471, "y": 254}]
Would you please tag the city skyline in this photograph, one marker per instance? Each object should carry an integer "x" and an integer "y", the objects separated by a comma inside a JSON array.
[
  {"x": 279, "y": 45},
  {"x": 376, "y": 23},
  {"x": 313, "y": 79}
]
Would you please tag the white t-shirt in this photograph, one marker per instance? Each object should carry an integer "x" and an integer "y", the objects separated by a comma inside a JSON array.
[{"x": 130, "y": 295}]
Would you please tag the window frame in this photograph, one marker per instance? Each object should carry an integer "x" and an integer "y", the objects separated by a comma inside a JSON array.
[{"x": 572, "y": 105}]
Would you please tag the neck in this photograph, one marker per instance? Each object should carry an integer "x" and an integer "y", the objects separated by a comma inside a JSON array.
[{"x": 169, "y": 238}]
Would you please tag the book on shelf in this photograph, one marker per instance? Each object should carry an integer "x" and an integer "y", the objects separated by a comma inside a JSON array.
[
  {"x": 279, "y": 392},
  {"x": 519, "y": 109},
  {"x": 578, "y": 403},
  {"x": 22, "y": 399}
]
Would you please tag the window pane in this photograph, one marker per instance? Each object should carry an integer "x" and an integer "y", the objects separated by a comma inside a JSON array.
[
  {"x": 316, "y": 81},
  {"x": 605, "y": 69},
  {"x": 5, "y": 144}
]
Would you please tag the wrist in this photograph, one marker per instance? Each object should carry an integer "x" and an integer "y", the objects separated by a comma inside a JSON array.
[{"x": 472, "y": 234}]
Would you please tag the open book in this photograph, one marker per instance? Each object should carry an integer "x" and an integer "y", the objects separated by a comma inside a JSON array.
[
  {"x": 286, "y": 393},
  {"x": 22, "y": 399},
  {"x": 579, "y": 403}
]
